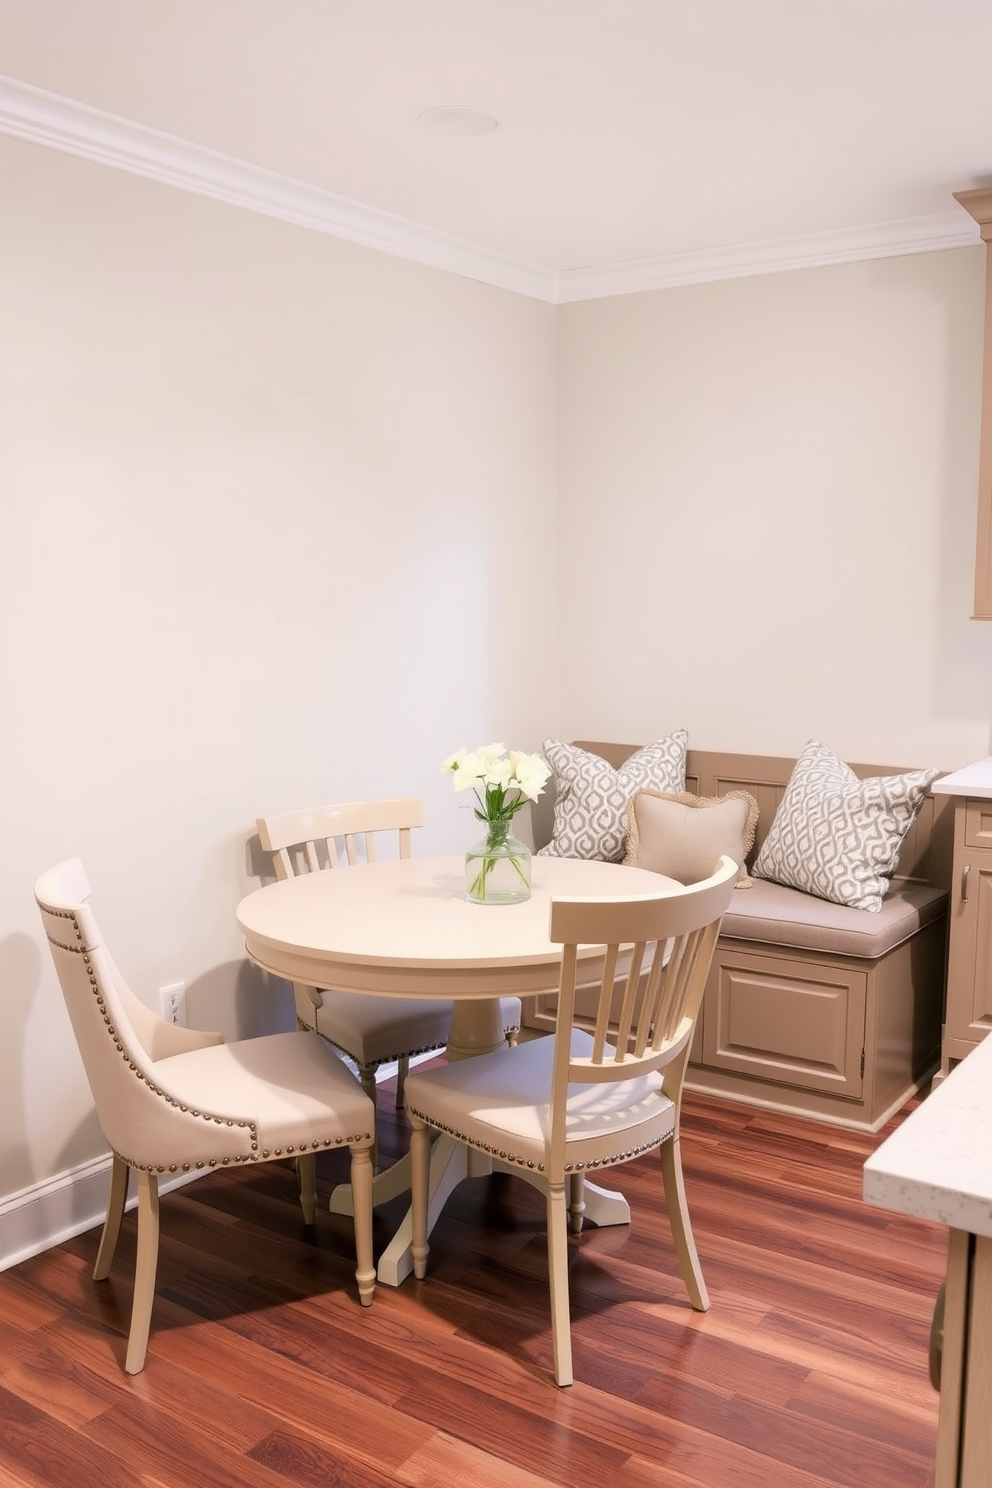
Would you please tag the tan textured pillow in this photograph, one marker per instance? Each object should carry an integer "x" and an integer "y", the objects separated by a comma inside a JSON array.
[{"x": 683, "y": 836}]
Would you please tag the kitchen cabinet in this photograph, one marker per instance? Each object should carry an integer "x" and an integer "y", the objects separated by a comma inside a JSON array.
[
  {"x": 935, "y": 1166},
  {"x": 968, "y": 999}
]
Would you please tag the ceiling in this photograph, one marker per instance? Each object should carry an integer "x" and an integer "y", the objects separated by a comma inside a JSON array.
[{"x": 637, "y": 141}]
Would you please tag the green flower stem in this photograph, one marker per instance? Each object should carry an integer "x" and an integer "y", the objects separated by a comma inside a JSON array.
[
  {"x": 478, "y": 889},
  {"x": 495, "y": 809},
  {"x": 498, "y": 815}
]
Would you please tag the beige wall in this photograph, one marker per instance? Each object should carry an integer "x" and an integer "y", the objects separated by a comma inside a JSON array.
[
  {"x": 263, "y": 493},
  {"x": 281, "y": 521},
  {"x": 769, "y": 490}
]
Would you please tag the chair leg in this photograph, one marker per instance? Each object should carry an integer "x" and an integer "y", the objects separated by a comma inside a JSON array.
[
  {"x": 678, "y": 1218},
  {"x": 558, "y": 1280},
  {"x": 576, "y": 1202},
  {"x": 402, "y": 1070},
  {"x": 420, "y": 1177},
  {"x": 361, "y": 1198},
  {"x": 306, "y": 1173},
  {"x": 144, "y": 1273},
  {"x": 119, "y": 1174},
  {"x": 366, "y": 1073}
]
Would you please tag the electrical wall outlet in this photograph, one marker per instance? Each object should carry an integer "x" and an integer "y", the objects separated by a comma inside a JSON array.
[{"x": 173, "y": 1002}]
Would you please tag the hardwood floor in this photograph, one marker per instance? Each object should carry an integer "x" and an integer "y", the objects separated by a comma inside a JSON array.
[{"x": 809, "y": 1370}]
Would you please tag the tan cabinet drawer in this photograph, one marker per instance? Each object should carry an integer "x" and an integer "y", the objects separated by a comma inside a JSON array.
[
  {"x": 969, "y": 961},
  {"x": 978, "y": 824}
]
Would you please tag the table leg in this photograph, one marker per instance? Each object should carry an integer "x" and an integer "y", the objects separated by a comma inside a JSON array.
[
  {"x": 604, "y": 1206},
  {"x": 386, "y": 1185},
  {"x": 451, "y": 1161},
  {"x": 476, "y": 1028}
]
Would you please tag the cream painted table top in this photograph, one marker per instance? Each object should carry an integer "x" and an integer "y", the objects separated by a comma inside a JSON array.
[{"x": 405, "y": 928}]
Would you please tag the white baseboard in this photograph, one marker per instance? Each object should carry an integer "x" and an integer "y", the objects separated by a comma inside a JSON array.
[{"x": 59, "y": 1208}]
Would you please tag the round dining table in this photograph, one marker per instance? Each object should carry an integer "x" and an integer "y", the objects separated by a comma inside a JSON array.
[{"x": 404, "y": 927}]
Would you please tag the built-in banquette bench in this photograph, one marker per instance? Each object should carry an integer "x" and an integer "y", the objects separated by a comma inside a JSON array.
[{"x": 812, "y": 1007}]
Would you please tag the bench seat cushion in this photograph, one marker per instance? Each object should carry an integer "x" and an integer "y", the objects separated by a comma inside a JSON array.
[{"x": 777, "y": 915}]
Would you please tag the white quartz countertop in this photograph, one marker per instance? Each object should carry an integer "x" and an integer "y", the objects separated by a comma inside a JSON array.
[
  {"x": 970, "y": 780},
  {"x": 938, "y": 1164}
]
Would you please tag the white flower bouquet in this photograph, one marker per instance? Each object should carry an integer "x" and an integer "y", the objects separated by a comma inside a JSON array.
[{"x": 503, "y": 782}]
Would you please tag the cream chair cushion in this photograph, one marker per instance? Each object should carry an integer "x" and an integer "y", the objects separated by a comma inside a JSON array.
[
  {"x": 299, "y": 1092},
  {"x": 375, "y": 1030},
  {"x": 501, "y": 1105}
]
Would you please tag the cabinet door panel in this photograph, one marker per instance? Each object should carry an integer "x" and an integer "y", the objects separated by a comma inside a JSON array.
[
  {"x": 798, "y": 1023},
  {"x": 976, "y": 1439},
  {"x": 982, "y": 1000},
  {"x": 969, "y": 980}
]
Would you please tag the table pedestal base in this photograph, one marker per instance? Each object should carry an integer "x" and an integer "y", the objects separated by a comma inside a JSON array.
[
  {"x": 386, "y": 1185},
  {"x": 604, "y": 1206},
  {"x": 476, "y": 1029},
  {"x": 451, "y": 1162}
]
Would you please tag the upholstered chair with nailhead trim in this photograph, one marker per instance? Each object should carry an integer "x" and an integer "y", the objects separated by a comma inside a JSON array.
[
  {"x": 371, "y": 1030},
  {"x": 174, "y": 1100},
  {"x": 554, "y": 1109}
]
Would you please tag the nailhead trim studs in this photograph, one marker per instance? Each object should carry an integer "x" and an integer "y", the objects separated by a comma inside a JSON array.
[
  {"x": 356, "y": 1139},
  {"x": 530, "y": 1163}
]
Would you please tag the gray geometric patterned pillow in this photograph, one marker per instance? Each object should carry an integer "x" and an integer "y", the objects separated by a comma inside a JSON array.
[
  {"x": 836, "y": 836},
  {"x": 591, "y": 797}
]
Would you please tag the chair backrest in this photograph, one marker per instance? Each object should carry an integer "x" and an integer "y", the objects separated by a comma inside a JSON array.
[
  {"x": 119, "y": 1039},
  {"x": 324, "y": 836},
  {"x": 665, "y": 942}
]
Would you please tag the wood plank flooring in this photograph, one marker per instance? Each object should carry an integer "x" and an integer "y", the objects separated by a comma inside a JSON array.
[{"x": 809, "y": 1370}]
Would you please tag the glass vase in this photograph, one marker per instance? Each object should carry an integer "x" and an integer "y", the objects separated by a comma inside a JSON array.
[{"x": 497, "y": 869}]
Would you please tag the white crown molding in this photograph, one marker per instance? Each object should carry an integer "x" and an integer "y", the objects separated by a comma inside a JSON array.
[
  {"x": 61, "y": 123},
  {"x": 951, "y": 229}
]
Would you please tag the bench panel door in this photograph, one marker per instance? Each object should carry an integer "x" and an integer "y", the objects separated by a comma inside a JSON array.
[{"x": 792, "y": 1022}]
